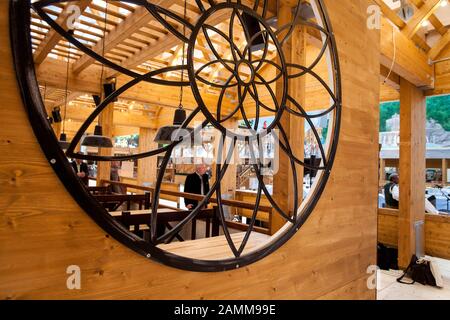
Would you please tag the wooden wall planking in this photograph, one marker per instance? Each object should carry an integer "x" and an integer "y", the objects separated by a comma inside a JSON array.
[
  {"x": 42, "y": 230},
  {"x": 437, "y": 232}
]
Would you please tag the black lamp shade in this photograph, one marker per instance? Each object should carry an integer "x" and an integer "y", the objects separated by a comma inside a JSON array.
[
  {"x": 179, "y": 117},
  {"x": 56, "y": 114},
  {"x": 63, "y": 143},
  {"x": 109, "y": 88},
  {"x": 97, "y": 99},
  {"x": 169, "y": 134},
  {"x": 97, "y": 140},
  {"x": 253, "y": 28}
]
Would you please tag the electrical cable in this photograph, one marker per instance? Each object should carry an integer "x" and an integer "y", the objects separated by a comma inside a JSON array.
[{"x": 394, "y": 58}]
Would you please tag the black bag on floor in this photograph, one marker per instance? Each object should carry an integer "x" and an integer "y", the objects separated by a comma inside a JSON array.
[
  {"x": 387, "y": 257},
  {"x": 419, "y": 271}
]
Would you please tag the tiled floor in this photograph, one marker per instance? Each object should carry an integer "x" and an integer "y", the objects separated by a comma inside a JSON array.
[{"x": 390, "y": 289}]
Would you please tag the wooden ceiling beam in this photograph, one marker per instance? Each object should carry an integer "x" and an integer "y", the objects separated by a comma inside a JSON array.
[
  {"x": 80, "y": 112},
  {"x": 54, "y": 37},
  {"x": 422, "y": 14},
  {"x": 390, "y": 14},
  {"x": 433, "y": 19},
  {"x": 169, "y": 41},
  {"x": 71, "y": 96},
  {"x": 389, "y": 78},
  {"x": 124, "y": 30},
  {"x": 443, "y": 42},
  {"x": 410, "y": 62},
  {"x": 154, "y": 50},
  {"x": 53, "y": 73}
]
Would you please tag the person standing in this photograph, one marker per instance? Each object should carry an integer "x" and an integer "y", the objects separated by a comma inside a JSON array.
[
  {"x": 197, "y": 183},
  {"x": 82, "y": 171}
]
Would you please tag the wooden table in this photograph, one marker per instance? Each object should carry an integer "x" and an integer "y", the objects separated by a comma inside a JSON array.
[{"x": 137, "y": 218}]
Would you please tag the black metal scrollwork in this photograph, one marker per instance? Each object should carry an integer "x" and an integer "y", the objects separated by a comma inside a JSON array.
[{"x": 239, "y": 56}]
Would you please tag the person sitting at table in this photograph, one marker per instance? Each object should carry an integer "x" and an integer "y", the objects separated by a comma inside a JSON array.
[
  {"x": 392, "y": 195},
  {"x": 81, "y": 169},
  {"x": 391, "y": 192},
  {"x": 197, "y": 183}
]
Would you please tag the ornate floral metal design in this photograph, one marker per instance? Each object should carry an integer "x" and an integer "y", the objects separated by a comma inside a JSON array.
[{"x": 239, "y": 59}]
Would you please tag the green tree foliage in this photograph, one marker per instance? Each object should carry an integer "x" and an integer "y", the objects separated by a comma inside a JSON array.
[
  {"x": 387, "y": 110},
  {"x": 438, "y": 108}
]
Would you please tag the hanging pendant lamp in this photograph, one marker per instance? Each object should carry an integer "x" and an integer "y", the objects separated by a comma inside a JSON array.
[
  {"x": 169, "y": 134},
  {"x": 98, "y": 139},
  {"x": 172, "y": 133},
  {"x": 63, "y": 143}
]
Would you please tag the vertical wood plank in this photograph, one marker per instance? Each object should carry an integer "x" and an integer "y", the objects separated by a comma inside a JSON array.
[
  {"x": 444, "y": 172},
  {"x": 106, "y": 120},
  {"x": 281, "y": 177},
  {"x": 43, "y": 230},
  {"x": 412, "y": 168},
  {"x": 147, "y": 167},
  {"x": 283, "y": 184}
]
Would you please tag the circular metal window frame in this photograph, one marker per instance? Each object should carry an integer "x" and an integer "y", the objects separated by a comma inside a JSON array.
[{"x": 24, "y": 65}]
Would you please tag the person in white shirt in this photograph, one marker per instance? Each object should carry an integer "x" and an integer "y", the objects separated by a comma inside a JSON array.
[{"x": 394, "y": 191}]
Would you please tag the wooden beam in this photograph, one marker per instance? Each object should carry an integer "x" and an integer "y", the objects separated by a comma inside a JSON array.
[
  {"x": 147, "y": 168},
  {"x": 409, "y": 62},
  {"x": 170, "y": 41},
  {"x": 441, "y": 74},
  {"x": 72, "y": 96},
  {"x": 422, "y": 14},
  {"x": 396, "y": 20},
  {"x": 124, "y": 30},
  {"x": 283, "y": 184},
  {"x": 390, "y": 78},
  {"x": 72, "y": 127},
  {"x": 412, "y": 168},
  {"x": 387, "y": 93},
  {"x": 382, "y": 174},
  {"x": 443, "y": 42},
  {"x": 78, "y": 112},
  {"x": 53, "y": 73},
  {"x": 53, "y": 37},
  {"x": 444, "y": 172},
  {"x": 390, "y": 14},
  {"x": 106, "y": 120},
  {"x": 432, "y": 18}
]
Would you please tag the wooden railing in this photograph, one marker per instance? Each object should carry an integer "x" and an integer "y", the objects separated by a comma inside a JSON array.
[
  {"x": 437, "y": 232},
  {"x": 263, "y": 210}
]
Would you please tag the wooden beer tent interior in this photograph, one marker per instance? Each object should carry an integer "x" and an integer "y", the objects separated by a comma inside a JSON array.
[{"x": 399, "y": 61}]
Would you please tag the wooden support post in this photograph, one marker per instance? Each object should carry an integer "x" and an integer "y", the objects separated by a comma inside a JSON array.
[
  {"x": 294, "y": 51},
  {"x": 106, "y": 120},
  {"x": 412, "y": 170},
  {"x": 229, "y": 180},
  {"x": 444, "y": 172},
  {"x": 382, "y": 172},
  {"x": 147, "y": 167},
  {"x": 297, "y": 90}
]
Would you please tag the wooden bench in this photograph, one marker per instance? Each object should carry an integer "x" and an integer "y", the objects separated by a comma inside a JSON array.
[
  {"x": 100, "y": 190},
  {"x": 264, "y": 213},
  {"x": 112, "y": 202},
  {"x": 140, "y": 220}
]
